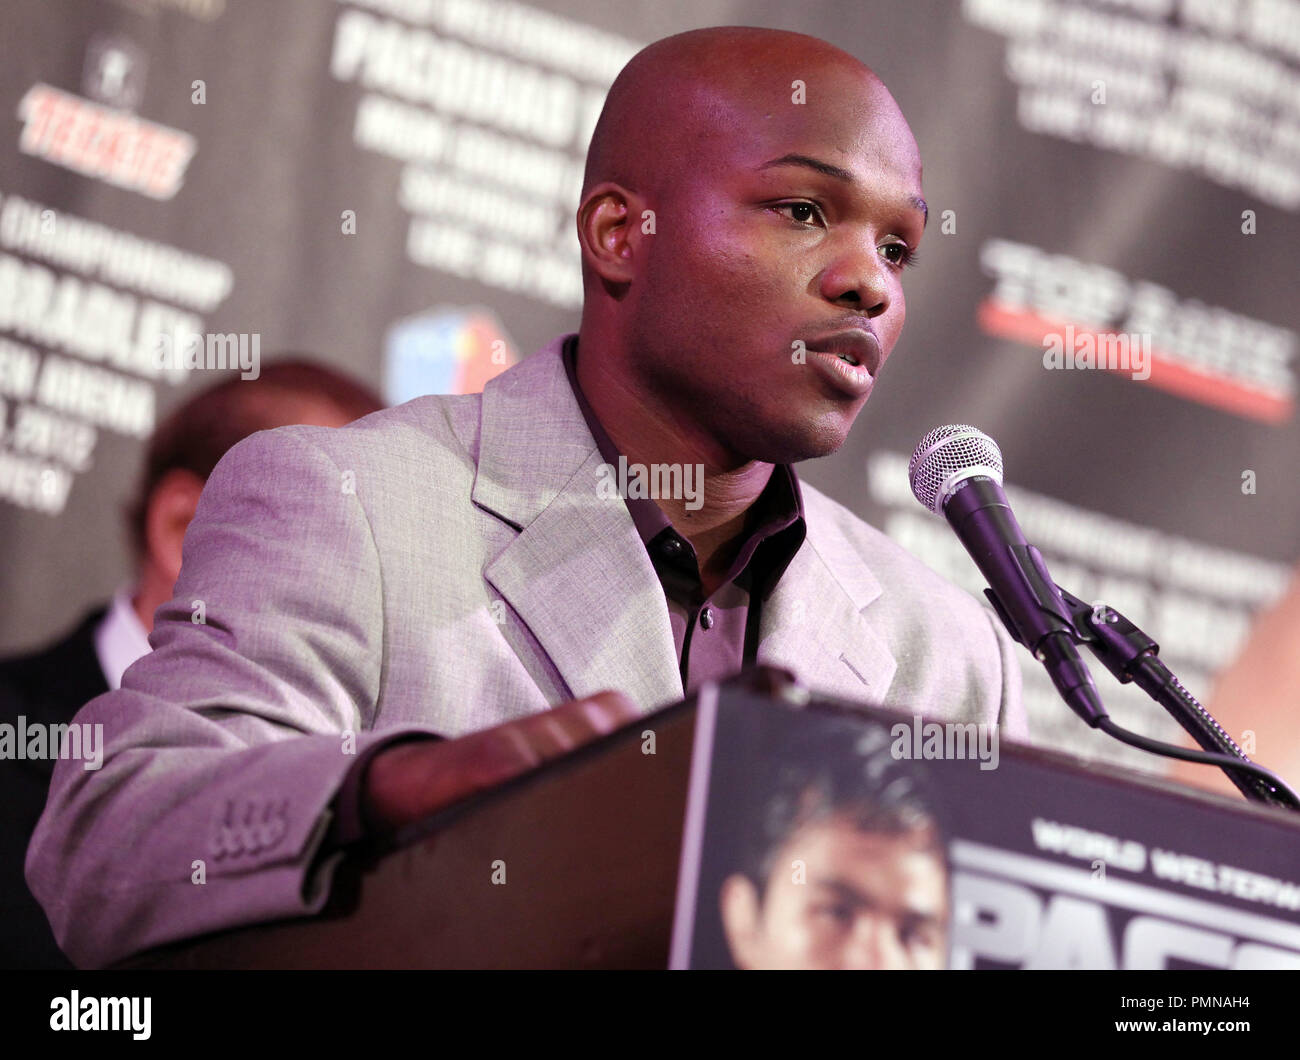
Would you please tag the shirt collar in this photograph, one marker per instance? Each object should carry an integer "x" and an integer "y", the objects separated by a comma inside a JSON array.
[{"x": 120, "y": 638}]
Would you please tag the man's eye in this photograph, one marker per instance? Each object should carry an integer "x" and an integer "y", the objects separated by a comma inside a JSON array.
[
  {"x": 803, "y": 212},
  {"x": 926, "y": 935},
  {"x": 899, "y": 254},
  {"x": 839, "y": 915}
]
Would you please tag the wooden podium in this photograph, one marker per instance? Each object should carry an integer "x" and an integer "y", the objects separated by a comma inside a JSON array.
[
  {"x": 577, "y": 864},
  {"x": 588, "y": 846}
]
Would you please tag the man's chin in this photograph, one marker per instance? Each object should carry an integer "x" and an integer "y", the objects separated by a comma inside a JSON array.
[{"x": 791, "y": 443}]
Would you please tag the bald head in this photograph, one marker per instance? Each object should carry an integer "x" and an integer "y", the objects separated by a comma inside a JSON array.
[
  {"x": 751, "y": 196},
  {"x": 678, "y": 95}
]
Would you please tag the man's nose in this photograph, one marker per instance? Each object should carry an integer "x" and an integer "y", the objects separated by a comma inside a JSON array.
[
  {"x": 859, "y": 279},
  {"x": 874, "y": 943}
]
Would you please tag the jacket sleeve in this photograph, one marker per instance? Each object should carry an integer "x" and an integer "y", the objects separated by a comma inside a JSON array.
[{"x": 224, "y": 747}]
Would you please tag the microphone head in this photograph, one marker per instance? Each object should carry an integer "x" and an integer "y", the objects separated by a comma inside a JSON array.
[{"x": 949, "y": 455}]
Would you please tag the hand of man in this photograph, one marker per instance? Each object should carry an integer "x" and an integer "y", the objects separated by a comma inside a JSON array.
[{"x": 412, "y": 780}]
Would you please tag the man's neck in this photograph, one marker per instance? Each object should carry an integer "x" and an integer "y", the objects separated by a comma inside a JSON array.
[
  {"x": 718, "y": 528},
  {"x": 647, "y": 432},
  {"x": 152, "y": 589}
]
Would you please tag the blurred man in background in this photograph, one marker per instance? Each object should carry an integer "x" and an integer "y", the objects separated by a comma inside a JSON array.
[
  {"x": 49, "y": 686},
  {"x": 1256, "y": 698}
]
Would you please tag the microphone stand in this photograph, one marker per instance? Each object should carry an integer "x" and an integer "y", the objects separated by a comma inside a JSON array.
[{"x": 1131, "y": 656}]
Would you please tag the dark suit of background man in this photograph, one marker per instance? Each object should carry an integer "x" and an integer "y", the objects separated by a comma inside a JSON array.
[{"x": 50, "y": 685}]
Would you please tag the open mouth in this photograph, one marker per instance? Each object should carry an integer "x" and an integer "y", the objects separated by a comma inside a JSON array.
[
  {"x": 855, "y": 348},
  {"x": 845, "y": 371}
]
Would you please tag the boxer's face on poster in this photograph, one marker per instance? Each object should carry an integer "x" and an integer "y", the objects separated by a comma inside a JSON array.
[
  {"x": 795, "y": 222},
  {"x": 841, "y": 898}
]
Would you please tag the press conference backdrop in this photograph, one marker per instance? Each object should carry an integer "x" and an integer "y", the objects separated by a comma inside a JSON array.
[{"x": 390, "y": 186}]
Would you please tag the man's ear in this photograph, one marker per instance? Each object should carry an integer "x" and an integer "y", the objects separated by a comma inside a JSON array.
[
  {"x": 609, "y": 230},
  {"x": 741, "y": 911},
  {"x": 169, "y": 511}
]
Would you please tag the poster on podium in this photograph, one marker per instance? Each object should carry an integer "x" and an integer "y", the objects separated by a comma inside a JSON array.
[{"x": 826, "y": 836}]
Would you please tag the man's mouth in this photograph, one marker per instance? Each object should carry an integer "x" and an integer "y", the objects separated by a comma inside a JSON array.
[
  {"x": 847, "y": 360},
  {"x": 856, "y": 347}
]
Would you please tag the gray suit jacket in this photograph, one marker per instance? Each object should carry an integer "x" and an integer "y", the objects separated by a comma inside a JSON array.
[{"x": 442, "y": 566}]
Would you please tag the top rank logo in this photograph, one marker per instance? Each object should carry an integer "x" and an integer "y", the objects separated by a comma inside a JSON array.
[
  {"x": 110, "y": 145},
  {"x": 1088, "y": 316}
]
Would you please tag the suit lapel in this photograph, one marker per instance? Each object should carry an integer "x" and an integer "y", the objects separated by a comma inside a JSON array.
[
  {"x": 577, "y": 574},
  {"x": 813, "y": 622}
]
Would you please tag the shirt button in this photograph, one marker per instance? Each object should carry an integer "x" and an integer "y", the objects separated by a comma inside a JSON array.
[{"x": 706, "y": 618}]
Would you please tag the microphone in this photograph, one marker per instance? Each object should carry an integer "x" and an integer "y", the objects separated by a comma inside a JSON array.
[{"x": 956, "y": 472}]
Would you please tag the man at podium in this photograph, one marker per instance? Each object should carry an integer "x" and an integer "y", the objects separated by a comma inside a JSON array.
[{"x": 373, "y": 622}]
